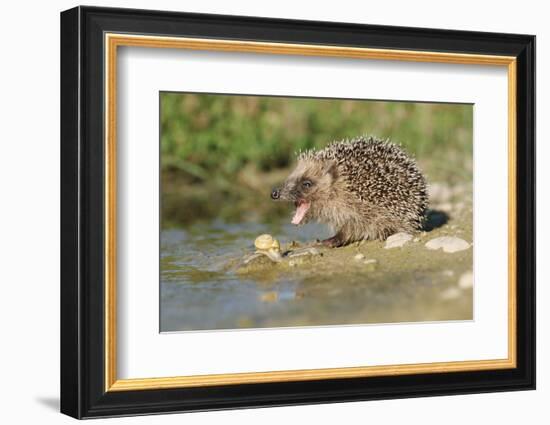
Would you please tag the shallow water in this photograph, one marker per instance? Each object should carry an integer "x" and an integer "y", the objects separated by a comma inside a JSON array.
[{"x": 200, "y": 292}]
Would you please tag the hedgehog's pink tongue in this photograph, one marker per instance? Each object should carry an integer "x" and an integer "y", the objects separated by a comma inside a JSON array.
[{"x": 301, "y": 211}]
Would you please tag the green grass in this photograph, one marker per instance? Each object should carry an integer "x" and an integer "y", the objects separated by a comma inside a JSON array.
[
  {"x": 220, "y": 155},
  {"x": 206, "y": 134}
]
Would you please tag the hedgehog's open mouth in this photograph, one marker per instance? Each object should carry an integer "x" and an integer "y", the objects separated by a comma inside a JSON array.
[{"x": 301, "y": 210}]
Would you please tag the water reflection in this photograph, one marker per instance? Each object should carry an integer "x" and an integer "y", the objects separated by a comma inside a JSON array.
[{"x": 199, "y": 292}]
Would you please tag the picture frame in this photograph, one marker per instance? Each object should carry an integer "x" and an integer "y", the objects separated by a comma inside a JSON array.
[{"x": 90, "y": 40}]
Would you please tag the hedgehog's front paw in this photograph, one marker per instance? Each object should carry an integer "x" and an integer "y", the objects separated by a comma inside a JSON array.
[{"x": 333, "y": 242}]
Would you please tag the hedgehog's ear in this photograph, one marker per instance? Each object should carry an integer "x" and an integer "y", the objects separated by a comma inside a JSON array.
[{"x": 331, "y": 169}]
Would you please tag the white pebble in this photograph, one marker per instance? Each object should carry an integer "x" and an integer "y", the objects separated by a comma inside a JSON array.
[
  {"x": 466, "y": 281},
  {"x": 449, "y": 244},
  {"x": 450, "y": 293},
  {"x": 448, "y": 273},
  {"x": 397, "y": 240},
  {"x": 370, "y": 261},
  {"x": 359, "y": 257}
]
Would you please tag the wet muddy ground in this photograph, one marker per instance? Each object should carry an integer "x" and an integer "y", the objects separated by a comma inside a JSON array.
[{"x": 204, "y": 285}]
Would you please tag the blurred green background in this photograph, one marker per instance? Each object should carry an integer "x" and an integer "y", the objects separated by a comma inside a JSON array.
[{"x": 222, "y": 154}]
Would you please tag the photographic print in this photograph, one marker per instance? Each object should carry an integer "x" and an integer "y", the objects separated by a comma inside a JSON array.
[{"x": 292, "y": 212}]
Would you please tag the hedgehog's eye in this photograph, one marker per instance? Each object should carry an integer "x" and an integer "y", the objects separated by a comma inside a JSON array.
[{"x": 307, "y": 184}]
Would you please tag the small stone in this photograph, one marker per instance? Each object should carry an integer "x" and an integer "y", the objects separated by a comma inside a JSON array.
[
  {"x": 397, "y": 240},
  {"x": 359, "y": 257},
  {"x": 292, "y": 263},
  {"x": 416, "y": 240},
  {"x": 466, "y": 281},
  {"x": 449, "y": 244},
  {"x": 269, "y": 297},
  {"x": 370, "y": 265},
  {"x": 450, "y": 293},
  {"x": 448, "y": 273}
]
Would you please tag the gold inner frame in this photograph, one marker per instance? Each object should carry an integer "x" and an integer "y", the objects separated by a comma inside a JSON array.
[{"x": 113, "y": 41}]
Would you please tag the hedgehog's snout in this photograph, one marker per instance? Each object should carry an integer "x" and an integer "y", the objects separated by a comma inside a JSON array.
[
  {"x": 288, "y": 191},
  {"x": 275, "y": 194}
]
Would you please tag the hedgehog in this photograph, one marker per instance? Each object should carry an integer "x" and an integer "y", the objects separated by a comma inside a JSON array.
[{"x": 365, "y": 189}]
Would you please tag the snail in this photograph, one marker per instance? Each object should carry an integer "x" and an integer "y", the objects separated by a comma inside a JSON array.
[{"x": 267, "y": 245}]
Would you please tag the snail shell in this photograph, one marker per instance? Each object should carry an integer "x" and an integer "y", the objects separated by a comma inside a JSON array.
[
  {"x": 267, "y": 242},
  {"x": 269, "y": 246}
]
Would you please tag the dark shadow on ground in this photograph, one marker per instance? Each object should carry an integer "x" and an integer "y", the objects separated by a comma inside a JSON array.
[{"x": 435, "y": 219}]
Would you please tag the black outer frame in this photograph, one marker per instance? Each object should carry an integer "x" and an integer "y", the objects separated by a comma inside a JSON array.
[{"x": 82, "y": 217}]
